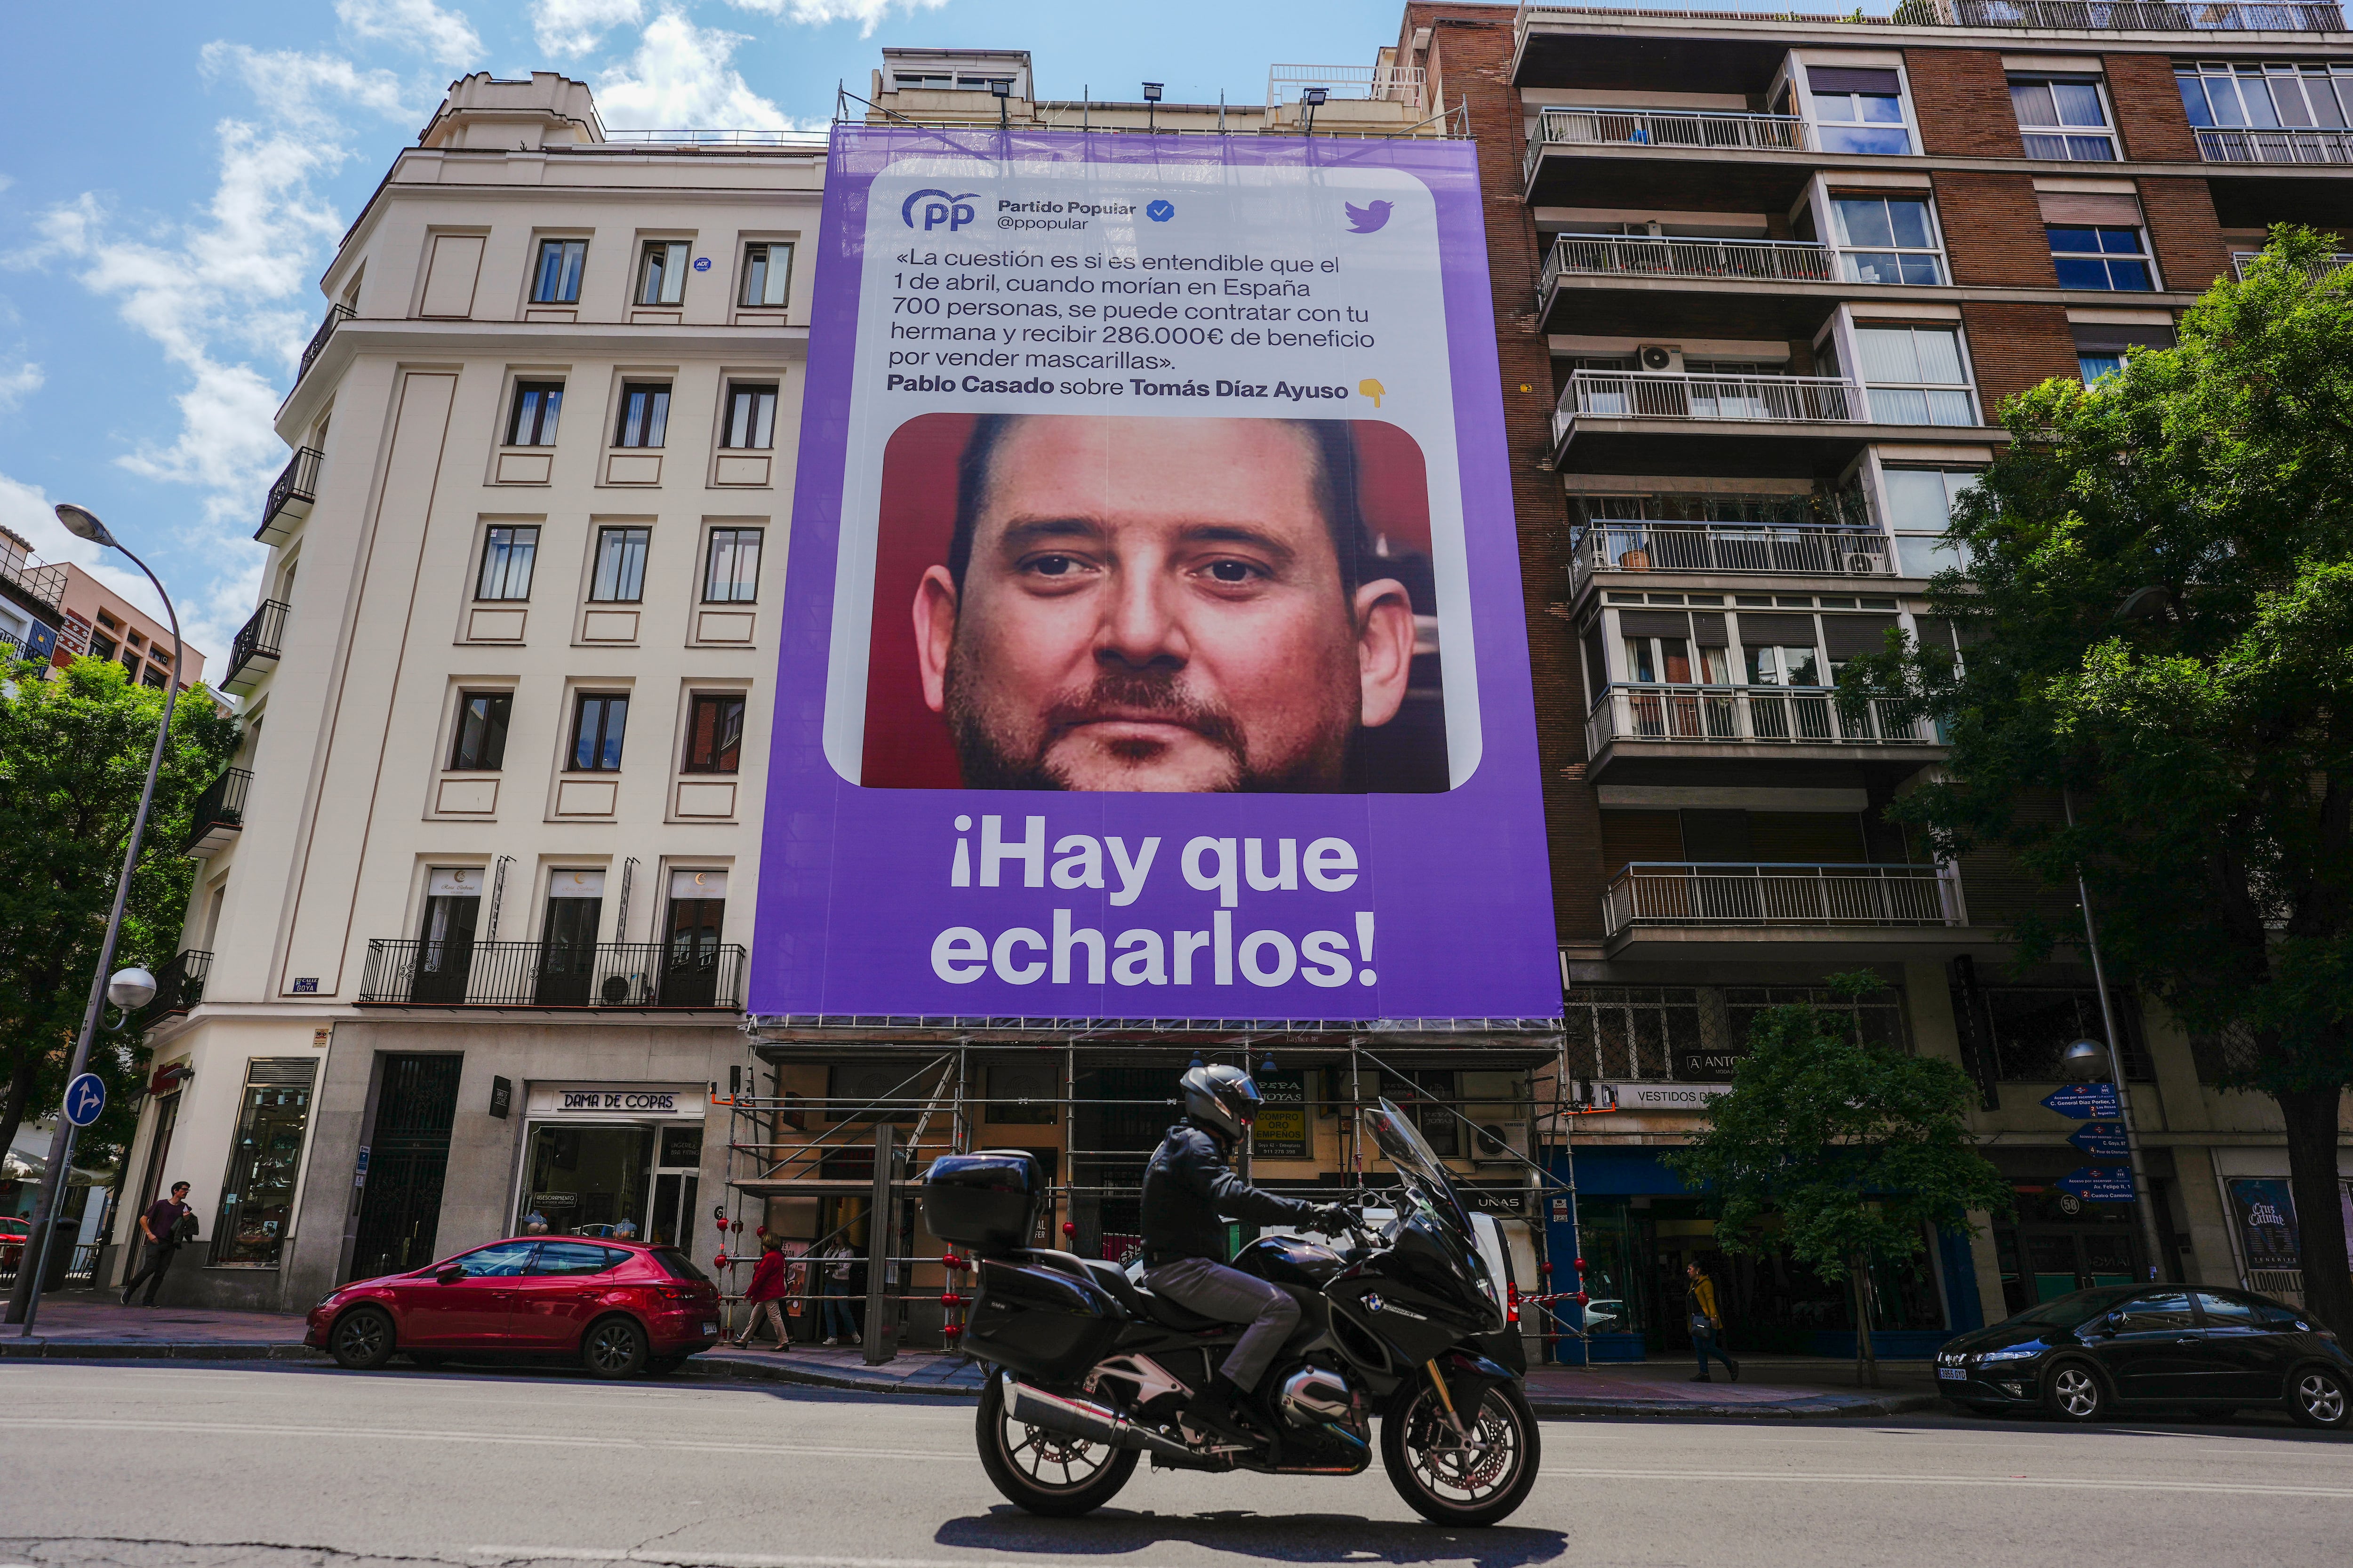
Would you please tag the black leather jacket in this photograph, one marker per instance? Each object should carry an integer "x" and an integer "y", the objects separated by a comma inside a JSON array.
[{"x": 1189, "y": 1192}]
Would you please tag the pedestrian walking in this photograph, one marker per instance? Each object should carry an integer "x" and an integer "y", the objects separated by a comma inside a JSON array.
[
  {"x": 166, "y": 1223},
  {"x": 766, "y": 1293},
  {"x": 1706, "y": 1322},
  {"x": 833, "y": 1270}
]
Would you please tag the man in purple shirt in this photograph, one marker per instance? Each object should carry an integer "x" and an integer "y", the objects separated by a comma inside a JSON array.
[{"x": 160, "y": 1228}]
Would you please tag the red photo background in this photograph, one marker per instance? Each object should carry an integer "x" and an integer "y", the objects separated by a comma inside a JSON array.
[{"x": 907, "y": 744}]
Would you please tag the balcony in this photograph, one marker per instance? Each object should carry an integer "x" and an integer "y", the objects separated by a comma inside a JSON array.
[
  {"x": 2120, "y": 16},
  {"x": 219, "y": 816},
  {"x": 1728, "y": 548},
  {"x": 254, "y": 652},
  {"x": 290, "y": 497},
  {"x": 1724, "y": 723},
  {"x": 1726, "y": 912},
  {"x": 43, "y": 586},
  {"x": 622, "y": 976},
  {"x": 179, "y": 985},
  {"x": 2286, "y": 144},
  {"x": 2244, "y": 261},
  {"x": 1761, "y": 426},
  {"x": 1672, "y": 287},
  {"x": 337, "y": 316}
]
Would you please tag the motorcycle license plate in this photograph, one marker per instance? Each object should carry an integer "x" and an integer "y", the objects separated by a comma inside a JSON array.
[{"x": 1957, "y": 1374}]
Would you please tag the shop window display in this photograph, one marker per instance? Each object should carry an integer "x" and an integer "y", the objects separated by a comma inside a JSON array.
[
  {"x": 257, "y": 1202},
  {"x": 589, "y": 1180}
]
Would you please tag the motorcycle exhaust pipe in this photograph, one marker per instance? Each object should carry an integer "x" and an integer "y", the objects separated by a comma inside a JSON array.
[{"x": 1079, "y": 1419}]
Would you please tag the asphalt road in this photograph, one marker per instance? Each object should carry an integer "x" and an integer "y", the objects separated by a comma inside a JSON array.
[{"x": 147, "y": 1464}]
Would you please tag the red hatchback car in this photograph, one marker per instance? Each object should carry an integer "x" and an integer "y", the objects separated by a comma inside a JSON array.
[{"x": 618, "y": 1307}]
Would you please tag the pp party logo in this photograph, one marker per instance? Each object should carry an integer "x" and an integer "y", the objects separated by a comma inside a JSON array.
[{"x": 939, "y": 208}]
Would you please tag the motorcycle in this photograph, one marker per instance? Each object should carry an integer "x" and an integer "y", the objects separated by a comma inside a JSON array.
[{"x": 1088, "y": 1371}]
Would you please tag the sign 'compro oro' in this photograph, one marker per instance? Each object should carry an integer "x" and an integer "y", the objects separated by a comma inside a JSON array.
[{"x": 1154, "y": 642}]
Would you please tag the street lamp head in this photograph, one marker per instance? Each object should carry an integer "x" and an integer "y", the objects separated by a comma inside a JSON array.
[
  {"x": 1313, "y": 97},
  {"x": 2152, "y": 603},
  {"x": 82, "y": 524},
  {"x": 130, "y": 989},
  {"x": 1152, "y": 92},
  {"x": 2083, "y": 1062}
]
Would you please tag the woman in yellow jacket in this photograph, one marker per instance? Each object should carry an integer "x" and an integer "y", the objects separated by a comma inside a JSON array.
[{"x": 1707, "y": 1323}]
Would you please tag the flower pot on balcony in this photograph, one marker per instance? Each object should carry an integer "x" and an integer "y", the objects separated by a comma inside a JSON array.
[{"x": 1635, "y": 560}]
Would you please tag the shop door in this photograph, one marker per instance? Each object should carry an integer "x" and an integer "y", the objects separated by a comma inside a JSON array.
[
  {"x": 587, "y": 1181},
  {"x": 400, "y": 1207},
  {"x": 567, "y": 962},
  {"x": 444, "y": 942},
  {"x": 677, "y": 1182},
  {"x": 691, "y": 966}
]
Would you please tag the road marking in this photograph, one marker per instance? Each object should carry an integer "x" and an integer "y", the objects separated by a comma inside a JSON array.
[
  {"x": 2246, "y": 1489},
  {"x": 744, "y": 1559},
  {"x": 548, "y": 1439}
]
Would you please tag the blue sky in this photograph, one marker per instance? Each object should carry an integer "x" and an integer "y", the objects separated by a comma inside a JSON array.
[{"x": 173, "y": 179}]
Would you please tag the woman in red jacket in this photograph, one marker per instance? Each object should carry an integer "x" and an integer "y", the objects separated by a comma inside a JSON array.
[{"x": 766, "y": 1293}]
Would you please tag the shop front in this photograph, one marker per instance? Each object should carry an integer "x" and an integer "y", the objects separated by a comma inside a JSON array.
[{"x": 612, "y": 1160}]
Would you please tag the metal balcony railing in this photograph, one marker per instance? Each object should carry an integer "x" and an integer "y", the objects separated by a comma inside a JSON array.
[
  {"x": 1730, "y": 548},
  {"x": 291, "y": 496},
  {"x": 1742, "y": 716},
  {"x": 1731, "y": 261},
  {"x": 337, "y": 316},
  {"x": 2297, "y": 144},
  {"x": 1376, "y": 83},
  {"x": 46, "y": 584},
  {"x": 255, "y": 647},
  {"x": 2120, "y": 15},
  {"x": 179, "y": 985},
  {"x": 1767, "y": 399},
  {"x": 2244, "y": 260},
  {"x": 1667, "y": 893},
  {"x": 638, "y": 975},
  {"x": 219, "y": 816},
  {"x": 1721, "y": 130}
]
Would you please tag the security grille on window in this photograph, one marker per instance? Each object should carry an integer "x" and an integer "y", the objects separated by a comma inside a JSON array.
[
  {"x": 1857, "y": 111},
  {"x": 1914, "y": 375},
  {"x": 1697, "y": 1033},
  {"x": 2100, "y": 258},
  {"x": 733, "y": 574},
  {"x": 620, "y": 566},
  {"x": 2024, "y": 1028},
  {"x": 751, "y": 417},
  {"x": 480, "y": 744},
  {"x": 2063, "y": 117},
  {"x": 598, "y": 721},
  {"x": 2218, "y": 94},
  {"x": 556, "y": 281},
  {"x": 1919, "y": 510},
  {"x": 508, "y": 553},
  {"x": 645, "y": 414},
  {"x": 1887, "y": 240},
  {"x": 767, "y": 276},
  {"x": 714, "y": 733},
  {"x": 662, "y": 276},
  {"x": 536, "y": 405}
]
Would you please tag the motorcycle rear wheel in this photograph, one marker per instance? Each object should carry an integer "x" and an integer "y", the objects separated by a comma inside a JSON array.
[
  {"x": 1454, "y": 1483},
  {"x": 1045, "y": 1472}
]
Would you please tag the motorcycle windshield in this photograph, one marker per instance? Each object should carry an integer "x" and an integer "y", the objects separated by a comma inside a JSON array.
[{"x": 1402, "y": 1144}]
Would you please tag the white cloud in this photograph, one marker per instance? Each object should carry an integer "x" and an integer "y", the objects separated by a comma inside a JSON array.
[
  {"x": 574, "y": 27},
  {"x": 308, "y": 89},
  {"x": 420, "y": 25},
  {"x": 680, "y": 76},
  {"x": 26, "y": 509},
  {"x": 19, "y": 384},
  {"x": 821, "y": 12}
]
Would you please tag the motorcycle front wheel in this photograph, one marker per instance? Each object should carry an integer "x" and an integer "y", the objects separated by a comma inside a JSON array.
[
  {"x": 1473, "y": 1481},
  {"x": 1047, "y": 1472}
]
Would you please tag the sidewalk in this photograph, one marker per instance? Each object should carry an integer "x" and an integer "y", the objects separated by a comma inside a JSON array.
[{"x": 88, "y": 1323}]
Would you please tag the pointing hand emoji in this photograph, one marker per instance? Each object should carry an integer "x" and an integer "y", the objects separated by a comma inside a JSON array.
[{"x": 1372, "y": 389}]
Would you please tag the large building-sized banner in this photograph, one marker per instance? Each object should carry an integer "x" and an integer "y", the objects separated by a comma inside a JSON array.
[{"x": 1153, "y": 635}]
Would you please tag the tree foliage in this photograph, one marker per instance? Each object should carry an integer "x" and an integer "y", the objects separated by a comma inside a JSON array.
[
  {"x": 73, "y": 755},
  {"x": 2204, "y": 732}
]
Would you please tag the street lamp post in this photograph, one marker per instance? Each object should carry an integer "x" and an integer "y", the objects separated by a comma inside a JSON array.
[
  {"x": 1313, "y": 98},
  {"x": 24, "y": 1302}
]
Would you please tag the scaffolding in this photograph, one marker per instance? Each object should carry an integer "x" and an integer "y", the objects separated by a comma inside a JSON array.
[{"x": 812, "y": 1101}]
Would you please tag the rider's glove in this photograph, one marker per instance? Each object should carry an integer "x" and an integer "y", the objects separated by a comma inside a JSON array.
[{"x": 1336, "y": 1219}]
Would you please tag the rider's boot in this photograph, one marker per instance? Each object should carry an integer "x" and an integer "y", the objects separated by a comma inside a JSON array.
[{"x": 1218, "y": 1410}]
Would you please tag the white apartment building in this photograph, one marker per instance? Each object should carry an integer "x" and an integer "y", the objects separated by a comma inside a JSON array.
[{"x": 468, "y": 947}]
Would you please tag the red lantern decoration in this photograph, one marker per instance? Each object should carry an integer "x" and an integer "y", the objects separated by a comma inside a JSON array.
[
  {"x": 1069, "y": 1229},
  {"x": 722, "y": 1259}
]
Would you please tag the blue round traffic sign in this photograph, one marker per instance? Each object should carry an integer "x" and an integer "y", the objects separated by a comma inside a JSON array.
[{"x": 85, "y": 1098}]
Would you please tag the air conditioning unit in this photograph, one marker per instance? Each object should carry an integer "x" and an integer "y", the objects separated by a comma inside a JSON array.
[
  {"x": 1660, "y": 357},
  {"x": 1860, "y": 564}
]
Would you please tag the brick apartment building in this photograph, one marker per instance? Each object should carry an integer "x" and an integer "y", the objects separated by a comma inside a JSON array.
[{"x": 1761, "y": 286}]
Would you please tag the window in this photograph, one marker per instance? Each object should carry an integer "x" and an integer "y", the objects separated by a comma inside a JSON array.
[
  {"x": 480, "y": 745},
  {"x": 101, "y": 646},
  {"x": 2103, "y": 257},
  {"x": 576, "y": 1257},
  {"x": 767, "y": 275},
  {"x": 152, "y": 676},
  {"x": 1914, "y": 375},
  {"x": 1857, "y": 111},
  {"x": 714, "y": 734},
  {"x": 1920, "y": 509},
  {"x": 662, "y": 276},
  {"x": 2226, "y": 1311},
  {"x": 557, "y": 281},
  {"x": 2062, "y": 117},
  {"x": 1783, "y": 664},
  {"x": 2022, "y": 1028},
  {"x": 645, "y": 414},
  {"x": 2100, "y": 350},
  {"x": 2156, "y": 1312},
  {"x": 620, "y": 566},
  {"x": 256, "y": 1204},
  {"x": 1887, "y": 240},
  {"x": 507, "y": 556},
  {"x": 598, "y": 718},
  {"x": 732, "y": 575},
  {"x": 536, "y": 405},
  {"x": 2276, "y": 93},
  {"x": 751, "y": 417}
]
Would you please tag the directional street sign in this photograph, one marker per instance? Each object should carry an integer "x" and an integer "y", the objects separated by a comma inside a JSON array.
[
  {"x": 2099, "y": 1184},
  {"x": 2086, "y": 1101},
  {"x": 2100, "y": 1139},
  {"x": 85, "y": 1098}
]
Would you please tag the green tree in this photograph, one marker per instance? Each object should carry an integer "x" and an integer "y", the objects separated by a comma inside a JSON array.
[
  {"x": 1837, "y": 1154},
  {"x": 2157, "y": 616},
  {"x": 73, "y": 755}
]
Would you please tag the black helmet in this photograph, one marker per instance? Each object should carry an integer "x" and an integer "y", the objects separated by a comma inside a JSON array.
[{"x": 1221, "y": 1097}]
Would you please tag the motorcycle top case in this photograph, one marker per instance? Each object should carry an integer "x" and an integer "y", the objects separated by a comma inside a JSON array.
[
  {"x": 987, "y": 1200},
  {"x": 1043, "y": 1321}
]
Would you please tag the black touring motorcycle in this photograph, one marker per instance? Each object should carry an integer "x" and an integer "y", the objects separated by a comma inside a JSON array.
[{"x": 1088, "y": 1371}]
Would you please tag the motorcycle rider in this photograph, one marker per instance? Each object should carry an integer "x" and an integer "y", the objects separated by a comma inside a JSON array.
[{"x": 1191, "y": 1190}]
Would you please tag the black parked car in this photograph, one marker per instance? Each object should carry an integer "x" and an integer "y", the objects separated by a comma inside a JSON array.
[{"x": 2083, "y": 1356}]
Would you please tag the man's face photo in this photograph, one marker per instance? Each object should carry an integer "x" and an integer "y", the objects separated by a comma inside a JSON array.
[{"x": 1160, "y": 604}]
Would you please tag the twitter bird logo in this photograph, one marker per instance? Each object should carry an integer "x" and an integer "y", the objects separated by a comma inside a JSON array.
[{"x": 1369, "y": 218}]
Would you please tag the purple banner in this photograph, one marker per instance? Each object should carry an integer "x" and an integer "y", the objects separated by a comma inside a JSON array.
[{"x": 1154, "y": 644}]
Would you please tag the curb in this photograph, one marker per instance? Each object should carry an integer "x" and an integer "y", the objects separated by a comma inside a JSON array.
[
  {"x": 732, "y": 1371},
  {"x": 1828, "y": 1407},
  {"x": 151, "y": 1350}
]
